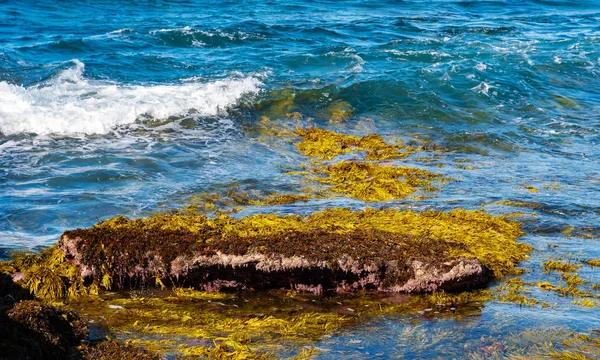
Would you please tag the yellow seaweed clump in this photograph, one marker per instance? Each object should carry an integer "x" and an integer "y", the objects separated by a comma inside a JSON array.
[
  {"x": 48, "y": 276},
  {"x": 326, "y": 145},
  {"x": 558, "y": 265},
  {"x": 339, "y": 111},
  {"x": 593, "y": 262},
  {"x": 374, "y": 182},
  {"x": 236, "y": 196}
]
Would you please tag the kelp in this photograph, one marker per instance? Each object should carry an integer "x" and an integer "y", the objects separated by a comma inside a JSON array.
[
  {"x": 570, "y": 284},
  {"x": 194, "y": 324},
  {"x": 592, "y": 262},
  {"x": 560, "y": 265},
  {"x": 235, "y": 196},
  {"x": 516, "y": 203},
  {"x": 339, "y": 111},
  {"x": 375, "y": 182},
  {"x": 48, "y": 276},
  {"x": 516, "y": 291},
  {"x": 553, "y": 343},
  {"x": 326, "y": 145}
]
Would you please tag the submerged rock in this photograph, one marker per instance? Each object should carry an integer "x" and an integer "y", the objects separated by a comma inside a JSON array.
[{"x": 219, "y": 256}]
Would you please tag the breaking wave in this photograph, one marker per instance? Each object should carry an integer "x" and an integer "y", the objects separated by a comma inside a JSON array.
[{"x": 70, "y": 104}]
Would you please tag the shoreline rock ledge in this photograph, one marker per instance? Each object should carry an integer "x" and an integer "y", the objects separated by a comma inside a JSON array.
[{"x": 129, "y": 254}]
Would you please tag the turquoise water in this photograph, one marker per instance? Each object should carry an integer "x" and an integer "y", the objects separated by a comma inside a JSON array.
[{"x": 133, "y": 107}]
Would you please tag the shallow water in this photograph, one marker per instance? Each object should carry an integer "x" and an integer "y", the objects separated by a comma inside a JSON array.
[{"x": 134, "y": 108}]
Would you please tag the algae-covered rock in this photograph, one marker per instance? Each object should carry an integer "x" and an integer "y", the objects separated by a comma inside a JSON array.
[
  {"x": 332, "y": 251},
  {"x": 33, "y": 330}
]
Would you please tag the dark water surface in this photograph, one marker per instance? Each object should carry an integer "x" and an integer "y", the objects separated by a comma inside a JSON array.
[{"x": 114, "y": 107}]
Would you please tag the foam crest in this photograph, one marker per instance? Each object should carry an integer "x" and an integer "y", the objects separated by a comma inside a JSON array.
[{"x": 70, "y": 104}]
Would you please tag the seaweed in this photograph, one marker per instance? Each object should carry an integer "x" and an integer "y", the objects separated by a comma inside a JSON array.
[
  {"x": 192, "y": 324},
  {"x": 326, "y": 145},
  {"x": 374, "y": 182},
  {"x": 592, "y": 262},
  {"x": 559, "y": 265},
  {"x": 47, "y": 276}
]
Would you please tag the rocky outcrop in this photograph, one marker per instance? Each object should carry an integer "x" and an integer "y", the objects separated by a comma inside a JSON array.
[{"x": 317, "y": 261}]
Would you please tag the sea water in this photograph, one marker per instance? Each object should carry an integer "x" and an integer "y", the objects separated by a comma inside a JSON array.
[{"x": 131, "y": 108}]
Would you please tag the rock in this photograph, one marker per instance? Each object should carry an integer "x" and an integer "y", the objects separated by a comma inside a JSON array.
[
  {"x": 316, "y": 261},
  {"x": 33, "y": 330}
]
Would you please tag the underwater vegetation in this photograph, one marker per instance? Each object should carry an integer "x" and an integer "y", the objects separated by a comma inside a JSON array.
[
  {"x": 158, "y": 250},
  {"x": 257, "y": 326},
  {"x": 235, "y": 196}
]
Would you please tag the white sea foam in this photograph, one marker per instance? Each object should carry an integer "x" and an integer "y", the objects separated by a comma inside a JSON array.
[
  {"x": 481, "y": 67},
  {"x": 482, "y": 88},
  {"x": 70, "y": 104}
]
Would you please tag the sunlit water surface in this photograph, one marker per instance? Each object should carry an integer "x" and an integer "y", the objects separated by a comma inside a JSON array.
[{"x": 111, "y": 108}]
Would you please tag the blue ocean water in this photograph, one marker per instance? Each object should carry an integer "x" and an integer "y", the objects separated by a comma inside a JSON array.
[{"x": 133, "y": 107}]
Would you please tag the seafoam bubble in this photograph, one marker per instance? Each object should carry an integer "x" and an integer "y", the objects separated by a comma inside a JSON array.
[{"x": 70, "y": 104}]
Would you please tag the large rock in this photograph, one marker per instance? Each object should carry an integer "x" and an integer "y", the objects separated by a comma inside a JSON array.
[{"x": 317, "y": 261}]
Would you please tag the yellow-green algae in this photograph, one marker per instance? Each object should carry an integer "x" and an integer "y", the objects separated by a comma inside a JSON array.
[
  {"x": 340, "y": 110},
  {"x": 515, "y": 291},
  {"x": 568, "y": 284},
  {"x": 593, "y": 262},
  {"x": 516, "y": 203},
  {"x": 326, "y": 145},
  {"x": 544, "y": 343},
  {"x": 491, "y": 239},
  {"x": 48, "y": 276},
  {"x": 587, "y": 233},
  {"x": 375, "y": 182},
  {"x": 259, "y": 326},
  {"x": 193, "y": 323},
  {"x": 236, "y": 196},
  {"x": 560, "y": 265}
]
